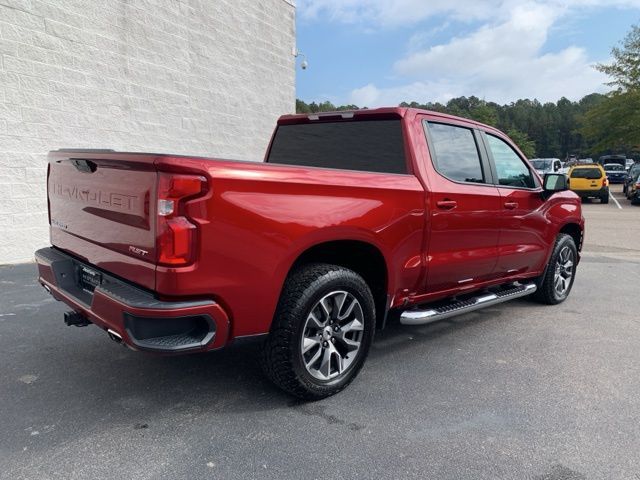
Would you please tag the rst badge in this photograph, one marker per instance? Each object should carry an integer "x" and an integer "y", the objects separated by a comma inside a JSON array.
[{"x": 138, "y": 251}]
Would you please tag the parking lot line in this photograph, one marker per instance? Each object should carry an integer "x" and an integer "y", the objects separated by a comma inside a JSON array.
[{"x": 614, "y": 199}]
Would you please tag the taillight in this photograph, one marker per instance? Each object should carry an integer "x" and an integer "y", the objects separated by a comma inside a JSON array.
[
  {"x": 605, "y": 181},
  {"x": 177, "y": 235}
]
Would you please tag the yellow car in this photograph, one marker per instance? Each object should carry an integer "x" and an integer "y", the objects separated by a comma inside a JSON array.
[{"x": 589, "y": 181}]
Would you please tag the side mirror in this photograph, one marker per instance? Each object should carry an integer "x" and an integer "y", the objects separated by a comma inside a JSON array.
[{"x": 554, "y": 182}]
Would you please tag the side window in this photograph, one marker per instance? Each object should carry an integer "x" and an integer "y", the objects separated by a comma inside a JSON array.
[
  {"x": 511, "y": 170},
  {"x": 455, "y": 153}
]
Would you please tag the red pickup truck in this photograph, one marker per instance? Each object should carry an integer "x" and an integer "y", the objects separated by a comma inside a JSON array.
[{"x": 353, "y": 218}]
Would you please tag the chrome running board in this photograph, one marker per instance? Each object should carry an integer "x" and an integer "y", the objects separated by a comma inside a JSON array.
[{"x": 418, "y": 316}]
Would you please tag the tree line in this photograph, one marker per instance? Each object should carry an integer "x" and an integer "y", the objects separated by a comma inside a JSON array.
[{"x": 595, "y": 125}]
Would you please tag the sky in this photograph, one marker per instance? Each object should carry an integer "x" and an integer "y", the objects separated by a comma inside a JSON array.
[{"x": 382, "y": 52}]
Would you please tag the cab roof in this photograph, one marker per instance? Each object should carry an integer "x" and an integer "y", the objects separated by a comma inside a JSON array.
[{"x": 374, "y": 113}]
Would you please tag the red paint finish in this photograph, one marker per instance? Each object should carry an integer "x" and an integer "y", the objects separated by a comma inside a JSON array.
[
  {"x": 106, "y": 217},
  {"x": 253, "y": 220}
]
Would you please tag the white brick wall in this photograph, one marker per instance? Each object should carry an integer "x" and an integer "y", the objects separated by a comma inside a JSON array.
[{"x": 201, "y": 77}]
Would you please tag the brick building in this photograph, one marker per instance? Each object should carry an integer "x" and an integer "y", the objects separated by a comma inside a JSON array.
[{"x": 202, "y": 77}]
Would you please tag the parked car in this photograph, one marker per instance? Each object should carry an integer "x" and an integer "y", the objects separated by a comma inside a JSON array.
[
  {"x": 546, "y": 165},
  {"x": 589, "y": 181},
  {"x": 633, "y": 186},
  {"x": 620, "y": 159},
  {"x": 353, "y": 218},
  {"x": 629, "y": 163},
  {"x": 616, "y": 173},
  {"x": 632, "y": 177}
]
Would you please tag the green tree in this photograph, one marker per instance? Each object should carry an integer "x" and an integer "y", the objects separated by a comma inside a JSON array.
[
  {"x": 614, "y": 123},
  {"x": 625, "y": 69},
  {"x": 542, "y": 130},
  {"x": 526, "y": 145},
  {"x": 302, "y": 107}
]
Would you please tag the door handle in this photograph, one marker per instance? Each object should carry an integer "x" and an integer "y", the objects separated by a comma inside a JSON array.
[
  {"x": 447, "y": 204},
  {"x": 511, "y": 205}
]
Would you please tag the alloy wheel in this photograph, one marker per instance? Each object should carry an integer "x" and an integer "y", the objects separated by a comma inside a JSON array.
[
  {"x": 332, "y": 335},
  {"x": 564, "y": 272}
]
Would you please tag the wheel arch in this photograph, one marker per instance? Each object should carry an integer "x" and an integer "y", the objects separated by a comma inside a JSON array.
[
  {"x": 576, "y": 232},
  {"x": 362, "y": 257}
]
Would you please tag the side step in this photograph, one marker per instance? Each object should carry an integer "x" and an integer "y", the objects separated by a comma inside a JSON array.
[{"x": 486, "y": 299}]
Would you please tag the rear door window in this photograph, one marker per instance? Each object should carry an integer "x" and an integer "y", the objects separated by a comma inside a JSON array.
[
  {"x": 371, "y": 146},
  {"x": 455, "y": 152}
]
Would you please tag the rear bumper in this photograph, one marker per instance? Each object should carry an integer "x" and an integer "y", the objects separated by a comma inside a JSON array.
[
  {"x": 616, "y": 179},
  {"x": 143, "y": 322},
  {"x": 601, "y": 192}
]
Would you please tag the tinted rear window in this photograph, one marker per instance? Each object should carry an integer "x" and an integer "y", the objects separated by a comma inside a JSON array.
[
  {"x": 371, "y": 146},
  {"x": 589, "y": 173}
]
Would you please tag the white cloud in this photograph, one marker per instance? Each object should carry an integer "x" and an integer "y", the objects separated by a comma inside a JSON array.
[
  {"x": 501, "y": 60},
  {"x": 547, "y": 78}
]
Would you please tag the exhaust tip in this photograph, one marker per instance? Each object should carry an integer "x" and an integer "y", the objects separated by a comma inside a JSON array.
[{"x": 115, "y": 336}]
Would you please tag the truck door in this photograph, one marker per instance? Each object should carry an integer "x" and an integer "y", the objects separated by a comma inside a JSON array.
[
  {"x": 464, "y": 206},
  {"x": 522, "y": 233}
]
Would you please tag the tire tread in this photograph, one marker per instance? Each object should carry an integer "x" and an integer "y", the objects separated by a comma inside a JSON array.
[
  {"x": 277, "y": 354},
  {"x": 545, "y": 293}
]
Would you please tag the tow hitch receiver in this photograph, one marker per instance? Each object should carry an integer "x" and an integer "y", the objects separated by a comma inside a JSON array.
[{"x": 75, "y": 318}]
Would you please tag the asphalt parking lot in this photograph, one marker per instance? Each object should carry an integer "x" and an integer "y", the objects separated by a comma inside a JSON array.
[{"x": 518, "y": 391}]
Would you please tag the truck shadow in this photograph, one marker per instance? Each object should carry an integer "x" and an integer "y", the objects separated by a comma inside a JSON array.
[
  {"x": 79, "y": 370},
  {"x": 229, "y": 379},
  {"x": 396, "y": 337}
]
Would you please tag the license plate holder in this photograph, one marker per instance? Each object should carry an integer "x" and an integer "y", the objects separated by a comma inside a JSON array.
[{"x": 88, "y": 278}]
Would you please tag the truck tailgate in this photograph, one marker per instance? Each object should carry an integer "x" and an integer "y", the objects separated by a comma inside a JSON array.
[{"x": 102, "y": 209}]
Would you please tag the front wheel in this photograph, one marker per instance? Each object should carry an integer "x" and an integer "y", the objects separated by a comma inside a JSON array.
[
  {"x": 321, "y": 332},
  {"x": 555, "y": 284}
]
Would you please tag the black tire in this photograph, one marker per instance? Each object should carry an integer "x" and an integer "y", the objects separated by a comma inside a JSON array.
[
  {"x": 282, "y": 356},
  {"x": 547, "y": 292},
  {"x": 604, "y": 199}
]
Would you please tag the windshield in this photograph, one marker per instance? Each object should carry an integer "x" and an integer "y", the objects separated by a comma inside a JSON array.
[
  {"x": 541, "y": 164},
  {"x": 589, "y": 173},
  {"x": 613, "y": 167}
]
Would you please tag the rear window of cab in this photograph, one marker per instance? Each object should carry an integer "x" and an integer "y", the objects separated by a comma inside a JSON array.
[{"x": 591, "y": 173}]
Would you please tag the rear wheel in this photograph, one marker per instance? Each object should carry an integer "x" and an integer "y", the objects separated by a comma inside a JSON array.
[
  {"x": 556, "y": 283},
  {"x": 604, "y": 198},
  {"x": 321, "y": 332}
]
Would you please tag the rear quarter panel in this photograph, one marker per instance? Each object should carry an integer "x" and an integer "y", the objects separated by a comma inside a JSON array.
[{"x": 260, "y": 217}]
